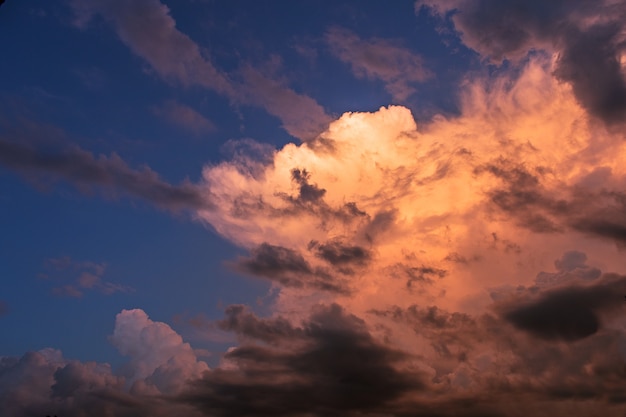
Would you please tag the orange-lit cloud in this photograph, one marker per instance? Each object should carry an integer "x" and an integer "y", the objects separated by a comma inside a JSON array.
[{"x": 452, "y": 207}]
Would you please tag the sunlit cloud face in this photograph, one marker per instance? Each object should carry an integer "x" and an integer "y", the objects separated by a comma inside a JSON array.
[
  {"x": 472, "y": 244},
  {"x": 396, "y": 212}
]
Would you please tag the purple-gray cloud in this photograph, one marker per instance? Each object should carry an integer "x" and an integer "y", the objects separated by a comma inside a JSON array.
[
  {"x": 588, "y": 37},
  {"x": 149, "y": 30},
  {"x": 185, "y": 117},
  {"x": 111, "y": 174},
  {"x": 397, "y": 67}
]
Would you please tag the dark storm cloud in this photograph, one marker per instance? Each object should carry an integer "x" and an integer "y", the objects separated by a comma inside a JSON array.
[
  {"x": 309, "y": 193},
  {"x": 587, "y": 34},
  {"x": 242, "y": 321},
  {"x": 416, "y": 276},
  {"x": 560, "y": 376},
  {"x": 111, "y": 173},
  {"x": 568, "y": 313},
  {"x": 329, "y": 366},
  {"x": 596, "y": 212},
  {"x": 340, "y": 254},
  {"x": 289, "y": 268}
]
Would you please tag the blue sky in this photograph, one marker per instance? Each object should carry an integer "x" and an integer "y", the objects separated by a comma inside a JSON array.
[{"x": 193, "y": 192}]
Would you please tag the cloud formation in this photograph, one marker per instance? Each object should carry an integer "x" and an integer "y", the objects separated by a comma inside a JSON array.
[
  {"x": 149, "y": 30},
  {"x": 46, "y": 383},
  {"x": 110, "y": 174},
  {"x": 587, "y": 38},
  {"x": 84, "y": 276},
  {"x": 330, "y": 365},
  {"x": 185, "y": 117},
  {"x": 468, "y": 266},
  {"x": 396, "y": 66},
  {"x": 449, "y": 223}
]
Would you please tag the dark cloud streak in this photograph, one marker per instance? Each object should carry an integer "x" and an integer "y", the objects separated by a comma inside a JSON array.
[
  {"x": 329, "y": 366},
  {"x": 111, "y": 173},
  {"x": 288, "y": 267}
]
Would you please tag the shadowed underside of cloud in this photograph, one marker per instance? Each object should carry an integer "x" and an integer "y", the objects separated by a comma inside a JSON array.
[
  {"x": 111, "y": 174},
  {"x": 288, "y": 268},
  {"x": 333, "y": 363},
  {"x": 569, "y": 312},
  {"x": 330, "y": 365},
  {"x": 588, "y": 37},
  {"x": 597, "y": 212}
]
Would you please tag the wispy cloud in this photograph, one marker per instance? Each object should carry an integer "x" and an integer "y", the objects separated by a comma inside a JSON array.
[
  {"x": 110, "y": 174},
  {"x": 184, "y": 117},
  {"x": 149, "y": 30},
  {"x": 83, "y": 276},
  {"x": 396, "y": 66}
]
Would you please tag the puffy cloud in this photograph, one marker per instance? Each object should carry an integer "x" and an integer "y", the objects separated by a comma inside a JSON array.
[
  {"x": 420, "y": 224},
  {"x": 381, "y": 59},
  {"x": 157, "y": 353},
  {"x": 392, "y": 212},
  {"x": 587, "y": 36},
  {"x": 46, "y": 383}
]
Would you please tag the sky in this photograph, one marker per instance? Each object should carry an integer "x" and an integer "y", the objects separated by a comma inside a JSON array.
[{"x": 312, "y": 208}]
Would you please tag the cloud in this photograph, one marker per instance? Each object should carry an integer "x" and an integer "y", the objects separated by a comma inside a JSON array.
[
  {"x": 149, "y": 30},
  {"x": 340, "y": 255},
  {"x": 587, "y": 38},
  {"x": 381, "y": 59},
  {"x": 185, "y": 117},
  {"x": 569, "y": 313},
  {"x": 158, "y": 355},
  {"x": 289, "y": 268},
  {"x": 483, "y": 185},
  {"x": 302, "y": 116},
  {"x": 110, "y": 174},
  {"x": 45, "y": 383},
  {"x": 85, "y": 276},
  {"x": 445, "y": 215},
  {"x": 569, "y": 304},
  {"x": 330, "y": 365},
  {"x": 451, "y": 268}
]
